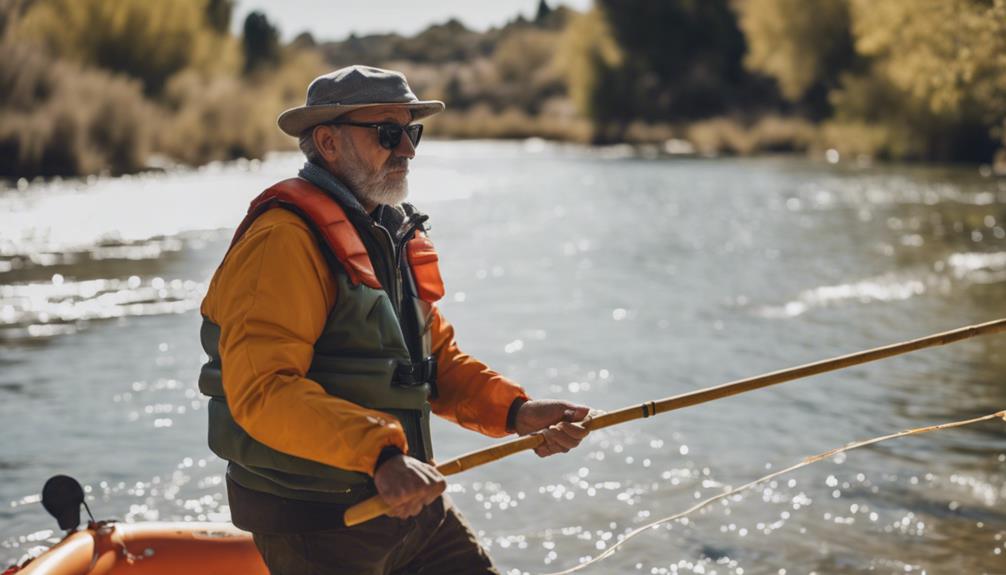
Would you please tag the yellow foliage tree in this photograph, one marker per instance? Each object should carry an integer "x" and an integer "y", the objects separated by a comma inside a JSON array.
[
  {"x": 801, "y": 44},
  {"x": 940, "y": 71},
  {"x": 945, "y": 55},
  {"x": 525, "y": 63},
  {"x": 595, "y": 68},
  {"x": 147, "y": 40}
]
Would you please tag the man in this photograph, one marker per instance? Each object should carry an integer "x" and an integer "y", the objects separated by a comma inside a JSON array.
[{"x": 327, "y": 352}]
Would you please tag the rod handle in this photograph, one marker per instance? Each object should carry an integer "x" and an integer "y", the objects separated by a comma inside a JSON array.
[
  {"x": 376, "y": 506},
  {"x": 365, "y": 511}
]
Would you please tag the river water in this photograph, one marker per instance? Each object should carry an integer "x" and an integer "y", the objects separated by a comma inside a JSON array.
[{"x": 597, "y": 276}]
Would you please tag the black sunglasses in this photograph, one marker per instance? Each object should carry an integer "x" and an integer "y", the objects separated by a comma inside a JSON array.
[{"x": 389, "y": 134}]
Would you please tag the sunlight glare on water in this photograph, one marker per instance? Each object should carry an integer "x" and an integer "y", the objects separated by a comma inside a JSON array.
[{"x": 591, "y": 275}]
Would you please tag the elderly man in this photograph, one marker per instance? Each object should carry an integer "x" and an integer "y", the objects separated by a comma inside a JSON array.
[{"x": 327, "y": 353}]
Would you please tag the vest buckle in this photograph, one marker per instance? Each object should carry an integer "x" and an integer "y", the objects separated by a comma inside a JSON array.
[{"x": 418, "y": 373}]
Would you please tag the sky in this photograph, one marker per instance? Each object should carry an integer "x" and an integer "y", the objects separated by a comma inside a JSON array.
[{"x": 336, "y": 19}]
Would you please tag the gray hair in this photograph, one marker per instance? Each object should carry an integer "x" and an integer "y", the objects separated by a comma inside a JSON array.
[{"x": 307, "y": 146}]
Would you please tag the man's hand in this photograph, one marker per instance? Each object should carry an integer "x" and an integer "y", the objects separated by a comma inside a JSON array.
[
  {"x": 556, "y": 419},
  {"x": 408, "y": 485}
]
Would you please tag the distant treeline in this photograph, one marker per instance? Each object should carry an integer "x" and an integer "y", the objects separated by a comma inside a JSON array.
[
  {"x": 116, "y": 85},
  {"x": 90, "y": 86}
]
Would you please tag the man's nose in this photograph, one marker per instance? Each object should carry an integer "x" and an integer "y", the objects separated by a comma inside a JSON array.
[{"x": 405, "y": 147}]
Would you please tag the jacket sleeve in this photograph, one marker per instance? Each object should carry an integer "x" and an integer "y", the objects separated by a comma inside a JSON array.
[
  {"x": 271, "y": 298},
  {"x": 470, "y": 394}
]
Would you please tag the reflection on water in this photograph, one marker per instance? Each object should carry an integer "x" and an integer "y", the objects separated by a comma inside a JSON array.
[
  {"x": 58, "y": 306},
  {"x": 589, "y": 275}
]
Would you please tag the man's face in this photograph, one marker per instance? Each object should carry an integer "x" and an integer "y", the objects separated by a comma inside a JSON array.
[{"x": 376, "y": 174}]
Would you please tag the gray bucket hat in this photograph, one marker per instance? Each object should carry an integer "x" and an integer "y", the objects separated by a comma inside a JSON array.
[{"x": 352, "y": 88}]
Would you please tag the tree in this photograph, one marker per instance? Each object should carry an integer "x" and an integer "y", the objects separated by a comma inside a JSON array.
[
  {"x": 146, "y": 40},
  {"x": 688, "y": 53},
  {"x": 805, "y": 46},
  {"x": 599, "y": 77},
  {"x": 260, "y": 41},
  {"x": 523, "y": 62},
  {"x": 936, "y": 75},
  {"x": 544, "y": 10},
  {"x": 218, "y": 15}
]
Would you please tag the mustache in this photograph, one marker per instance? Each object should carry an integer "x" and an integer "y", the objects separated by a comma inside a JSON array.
[{"x": 396, "y": 163}]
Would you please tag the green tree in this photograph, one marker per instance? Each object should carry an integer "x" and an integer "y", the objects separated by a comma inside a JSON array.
[
  {"x": 688, "y": 54},
  {"x": 544, "y": 10},
  {"x": 261, "y": 42}
]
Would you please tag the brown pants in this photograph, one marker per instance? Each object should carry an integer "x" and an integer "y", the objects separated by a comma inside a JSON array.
[{"x": 436, "y": 541}]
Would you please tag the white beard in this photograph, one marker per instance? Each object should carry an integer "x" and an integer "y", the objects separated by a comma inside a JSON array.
[
  {"x": 375, "y": 188},
  {"x": 382, "y": 191}
]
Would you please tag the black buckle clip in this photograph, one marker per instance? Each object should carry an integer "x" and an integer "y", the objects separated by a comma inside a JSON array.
[{"x": 416, "y": 374}]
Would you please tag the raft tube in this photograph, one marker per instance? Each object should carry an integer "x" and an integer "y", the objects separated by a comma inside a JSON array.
[{"x": 154, "y": 548}]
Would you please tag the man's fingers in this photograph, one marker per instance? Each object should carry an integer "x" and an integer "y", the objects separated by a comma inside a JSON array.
[
  {"x": 432, "y": 497},
  {"x": 575, "y": 412},
  {"x": 412, "y": 508},
  {"x": 556, "y": 442},
  {"x": 545, "y": 450},
  {"x": 434, "y": 491},
  {"x": 396, "y": 498},
  {"x": 404, "y": 511},
  {"x": 568, "y": 435},
  {"x": 560, "y": 438},
  {"x": 556, "y": 438},
  {"x": 573, "y": 430}
]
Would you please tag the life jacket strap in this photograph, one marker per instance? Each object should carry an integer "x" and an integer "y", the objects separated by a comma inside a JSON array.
[{"x": 326, "y": 217}]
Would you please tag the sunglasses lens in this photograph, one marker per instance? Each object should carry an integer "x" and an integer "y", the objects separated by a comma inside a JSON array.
[
  {"x": 415, "y": 132},
  {"x": 389, "y": 135}
]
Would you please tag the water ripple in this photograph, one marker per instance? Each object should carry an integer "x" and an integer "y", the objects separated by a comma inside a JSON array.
[{"x": 61, "y": 305}]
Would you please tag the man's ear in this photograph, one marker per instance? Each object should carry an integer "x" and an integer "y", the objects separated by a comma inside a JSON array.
[{"x": 326, "y": 141}]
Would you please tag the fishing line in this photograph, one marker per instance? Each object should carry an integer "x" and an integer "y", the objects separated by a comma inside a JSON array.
[{"x": 807, "y": 461}]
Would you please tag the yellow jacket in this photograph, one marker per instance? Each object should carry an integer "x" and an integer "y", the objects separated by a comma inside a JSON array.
[{"x": 271, "y": 297}]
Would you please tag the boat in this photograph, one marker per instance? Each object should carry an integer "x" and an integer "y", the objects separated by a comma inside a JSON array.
[{"x": 149, "y": 548}]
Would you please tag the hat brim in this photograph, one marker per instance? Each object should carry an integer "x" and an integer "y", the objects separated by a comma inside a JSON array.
[{"x": 295, "y": 120}]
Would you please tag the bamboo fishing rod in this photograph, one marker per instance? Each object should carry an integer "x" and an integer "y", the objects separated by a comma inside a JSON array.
[{"x": 375, "y": 506}]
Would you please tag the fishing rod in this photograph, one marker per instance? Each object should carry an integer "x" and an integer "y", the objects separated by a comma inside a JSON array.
[{"x": 376, "y": 506}]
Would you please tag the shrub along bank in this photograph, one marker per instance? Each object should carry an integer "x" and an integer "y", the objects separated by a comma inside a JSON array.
[{"x": 90, "y": 86}]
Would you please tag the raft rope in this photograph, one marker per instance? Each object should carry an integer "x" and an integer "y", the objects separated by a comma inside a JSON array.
[{"x": 807, "y": 461}]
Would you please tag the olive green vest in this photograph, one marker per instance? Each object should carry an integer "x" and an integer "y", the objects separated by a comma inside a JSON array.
[{"x": 369, "y": 353}]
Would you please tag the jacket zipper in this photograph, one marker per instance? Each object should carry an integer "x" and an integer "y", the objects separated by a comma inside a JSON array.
[{"x": 395, "y": 259}]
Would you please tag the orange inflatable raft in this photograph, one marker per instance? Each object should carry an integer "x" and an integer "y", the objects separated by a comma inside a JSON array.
[{"x": 150, "y": 549}]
